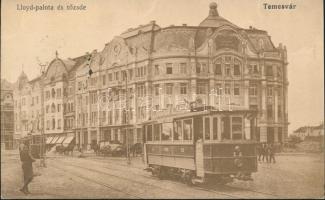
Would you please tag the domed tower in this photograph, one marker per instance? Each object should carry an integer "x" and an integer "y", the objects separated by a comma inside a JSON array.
[
  {"x": 214, "y": 20},
  {"x": 22, "y": 79}
]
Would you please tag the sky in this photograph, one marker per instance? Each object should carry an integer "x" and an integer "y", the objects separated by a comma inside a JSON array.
[{"x": 32, "y": 37}]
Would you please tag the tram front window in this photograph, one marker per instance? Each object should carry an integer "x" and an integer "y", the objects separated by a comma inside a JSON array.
[
  {"x": 166, "y": 131},
  {"x": 178, "y": 130},
  {"x": 156, "y": 132},
  {"x": 225, "y": 128},
  {"x": 149, "y": 133},
  {"x": 187, "y": 129},
  {"x": 237, "y": 124}
]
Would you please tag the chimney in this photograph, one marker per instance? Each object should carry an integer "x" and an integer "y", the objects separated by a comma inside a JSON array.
[
  {"x": 184, "y": 24},
  {"x": 153, "y": 21}
]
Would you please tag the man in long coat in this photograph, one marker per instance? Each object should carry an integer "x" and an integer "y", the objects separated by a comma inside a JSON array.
[{"x": 27, "y": 166}]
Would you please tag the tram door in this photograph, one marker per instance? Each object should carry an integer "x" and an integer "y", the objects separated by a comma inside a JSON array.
[{"x": 198, "y": 128}]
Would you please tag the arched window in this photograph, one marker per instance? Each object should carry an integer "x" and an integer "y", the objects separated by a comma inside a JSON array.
[
  {"x": 53, "y": 108},
  {"x": 53, "y": 123},
  {"x": 53, "y": 93}
]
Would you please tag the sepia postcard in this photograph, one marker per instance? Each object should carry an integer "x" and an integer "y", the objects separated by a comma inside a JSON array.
[{"x": 162, "y": 99}]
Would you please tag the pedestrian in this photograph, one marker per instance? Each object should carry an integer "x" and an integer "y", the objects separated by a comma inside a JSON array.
[
  {"x": 259, "y": 151},
  {"x": 263, "y": 152},
  {"x": 271, "y": 153},
  {"x": 27, "y": 166}
]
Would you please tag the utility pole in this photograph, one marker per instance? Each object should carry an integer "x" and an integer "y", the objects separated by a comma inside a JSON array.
[
  {"x": 42, "y": 147},
  {"x": 127, "y": 118}
]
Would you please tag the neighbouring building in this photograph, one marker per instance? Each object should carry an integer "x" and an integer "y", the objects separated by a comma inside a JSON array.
[
  {"x": 313, "y": 131},
  {"x": 152, "y": 71},
  {"x": 7, "y": 116}
]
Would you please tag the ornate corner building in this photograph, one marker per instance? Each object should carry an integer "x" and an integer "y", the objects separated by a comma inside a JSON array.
[
  {"x": 150, "y": 71},
  {"x": 7, "y": 116}
]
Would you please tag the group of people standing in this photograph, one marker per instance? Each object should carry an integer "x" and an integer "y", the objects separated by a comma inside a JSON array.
[{"x": 266, "y": 152}]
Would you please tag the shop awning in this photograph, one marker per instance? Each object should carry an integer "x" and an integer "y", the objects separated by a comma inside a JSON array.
[
  {"x": 68, "y": 140},
  {"x": 60, "y": 140},
  {"x": 48, "y": 140},
  {"x": 54, "y": 140}
]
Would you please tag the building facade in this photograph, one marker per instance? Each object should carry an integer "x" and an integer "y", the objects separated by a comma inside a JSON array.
[
  {"x": 7, "y": 116},
  {"x": 152, "y": 71}
]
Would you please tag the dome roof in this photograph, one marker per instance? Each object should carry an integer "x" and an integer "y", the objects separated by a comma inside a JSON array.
[{"x": 214, "y": 20}]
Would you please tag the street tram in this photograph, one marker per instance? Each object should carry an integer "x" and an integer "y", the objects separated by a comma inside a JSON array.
[
  {"x": 37, "y": 145},
  {"x": 202, "y": 145}
]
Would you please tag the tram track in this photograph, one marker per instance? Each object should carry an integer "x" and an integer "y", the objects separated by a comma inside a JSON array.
[
  {"x": 202, "y": 188},
  {"x": 183, "y": 194},
  {"x": 96, "y": 182},
  {"x": 210, "y": 190}
]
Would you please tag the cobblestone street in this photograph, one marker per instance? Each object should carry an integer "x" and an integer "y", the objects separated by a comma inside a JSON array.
[{"x": 97, "y": 177}]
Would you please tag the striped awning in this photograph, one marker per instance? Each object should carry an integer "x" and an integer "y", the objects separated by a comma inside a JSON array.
[
  {"x": 54, "y": 140},
  {"x": 60, "y": 140},
  {"x": 48, "y": 140},
  {"x": 68, "y": 140}
]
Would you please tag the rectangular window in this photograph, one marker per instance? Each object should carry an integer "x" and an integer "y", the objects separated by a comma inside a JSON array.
[
  {"x": 169, "y": 68},
  {"x": 169, "y": 88},
  {"x": 156, "y": 69},
  {"x": 59, "y": 124},
  {"x": 279, "y": 111},
  {"x": 228, "y": 70},
  {"x": 187, "y": 129},
  {"x": 207, "y": 128},
  {"x": 198, "y": 68},
  {"x": 218, "y": 89},
  {"x": 255, "y": 69},
  {"x": 117, "y": 76},
  {"x": 166, "y": 133},
  {"x": 183, "y": 88},
  {"x": 202, "y": 88},
  {"x": 269, "y": 111},
  {"x": 218, "y": 70},
  {"x": 227, "y": 89},
  {"x": 104, "y": 79},
  {"x": 236, "y": 89},
  {"x": 269, "y": 70},
  {"x": 110, "y": 77},
  {"x": 236, "y": 70},
  {"x": 204, "y": 68},
  {"x": 182, "y": 69},
  {"x": 59, "y": 107},
  {"x": 178, "y": 130},
  {"x": 58, "y": 93},
  {"x": 252, "y": 90},
  {"x": 215, "y": 128},
  {"x": 130, "y": 74},
  {"x": 157, "y": 89},
  {"x": 237, "y": 127},
  {"x": 156, "y": 132},
  {"x": 104, "y": 116},
  {"x": 149, "y": 133},
  {"x": 270, "y": 91}
]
